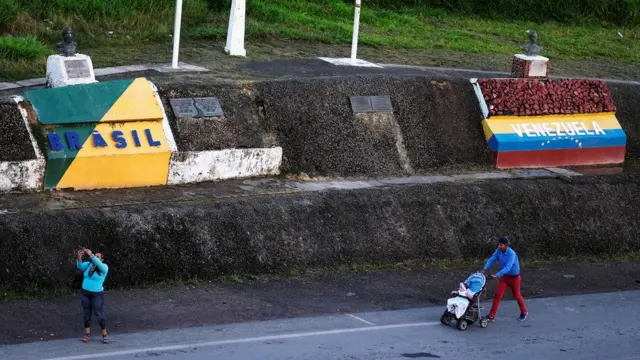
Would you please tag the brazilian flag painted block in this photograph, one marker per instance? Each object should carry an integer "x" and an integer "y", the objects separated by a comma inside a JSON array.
[
  {"x": 102, "y": 135},
  {"x": 111, "y": 101}
]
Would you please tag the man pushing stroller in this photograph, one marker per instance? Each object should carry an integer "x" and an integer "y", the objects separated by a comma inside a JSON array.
[
  {"x": 465, "y": 305},
  {"x": 508, "y": 277}
]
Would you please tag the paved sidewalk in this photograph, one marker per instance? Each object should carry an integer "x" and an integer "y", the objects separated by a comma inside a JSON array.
[
  {"x": 326, "y": 293},
  {"x": 573, "y": 327}
]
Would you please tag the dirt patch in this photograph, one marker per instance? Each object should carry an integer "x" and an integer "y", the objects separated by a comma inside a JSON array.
[
  {"x": 208, "y": 54},
  {"x": 328, "y": 293}
]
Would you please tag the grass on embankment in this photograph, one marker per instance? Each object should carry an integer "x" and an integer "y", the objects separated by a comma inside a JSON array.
[{"x": 113, "y": 23}]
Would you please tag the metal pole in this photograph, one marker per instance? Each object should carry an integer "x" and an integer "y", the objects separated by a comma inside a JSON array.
[
  {"x": 176, "y": 34},
  {"x": 356, "y": 29},
  {"x": 235, "y": 32}
]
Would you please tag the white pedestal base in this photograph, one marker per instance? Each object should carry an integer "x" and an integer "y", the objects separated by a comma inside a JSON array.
[
  {"x": 349, "y": 62},
  {"x": 530, "y": 66},
  {"x": 69, "y": 70}
]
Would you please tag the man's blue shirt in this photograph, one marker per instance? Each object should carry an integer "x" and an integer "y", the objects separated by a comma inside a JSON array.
[{"x": 509, "y": 263}]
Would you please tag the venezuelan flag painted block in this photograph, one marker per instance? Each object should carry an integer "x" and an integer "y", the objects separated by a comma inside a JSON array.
[
  {"x": 102, "y": 135},
  {"x": 555, "y": 140}
]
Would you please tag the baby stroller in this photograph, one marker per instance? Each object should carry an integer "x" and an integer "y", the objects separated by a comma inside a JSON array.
[{"x": 472, "y": 312}]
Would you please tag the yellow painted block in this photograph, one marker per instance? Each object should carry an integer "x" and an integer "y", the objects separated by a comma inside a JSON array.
[
  {"x": 487, "y": 129},
  {"x": 136, "y": 154},
  {"x": 137, "y": 102},
  {"x": 117, "y": 171},
  {"x": 550, "y": 123}
]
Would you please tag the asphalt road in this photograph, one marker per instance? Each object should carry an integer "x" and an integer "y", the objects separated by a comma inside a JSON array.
[{"x": 585, "y": 327}]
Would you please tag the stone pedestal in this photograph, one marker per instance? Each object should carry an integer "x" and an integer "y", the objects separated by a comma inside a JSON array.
[
  {"x": 529, "y": 66},
  {"x": 69, "y": 70}
]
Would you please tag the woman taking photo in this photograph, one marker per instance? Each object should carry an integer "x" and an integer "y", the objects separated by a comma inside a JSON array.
[{"x": 95, "y": 271}]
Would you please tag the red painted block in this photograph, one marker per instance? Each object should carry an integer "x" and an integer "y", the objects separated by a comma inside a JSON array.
[{"x": 564, "y": 157}]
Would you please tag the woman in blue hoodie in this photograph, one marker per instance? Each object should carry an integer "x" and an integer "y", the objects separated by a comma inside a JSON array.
[{"x": 95, "y": 272}]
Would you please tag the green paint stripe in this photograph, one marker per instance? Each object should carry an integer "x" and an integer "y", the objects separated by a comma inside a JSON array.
[
  {"x": 55, "y": 171},
  {"x": 76, "y": 104},
  {"x": 58, "y": 162}
]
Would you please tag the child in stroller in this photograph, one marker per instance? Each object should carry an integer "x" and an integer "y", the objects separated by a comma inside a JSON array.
[{"x": 465, "y": 305}]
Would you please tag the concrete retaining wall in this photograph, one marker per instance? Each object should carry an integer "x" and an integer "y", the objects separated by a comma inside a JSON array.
[
  {"x": 15, "y": 144},
  {"x": 435, "y": 123},
  {"x": 627, "y": 99},
  {"x": 546, "y": 218},
  {"x": 21, "y": 163},
  {"x": 30, "y": 124},
  {"x": 242, "y": 125},
  {"x": 438, "y": 124}
]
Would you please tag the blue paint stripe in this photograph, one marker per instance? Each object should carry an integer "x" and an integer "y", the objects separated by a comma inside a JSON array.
[{"x": 513, "y": 142}]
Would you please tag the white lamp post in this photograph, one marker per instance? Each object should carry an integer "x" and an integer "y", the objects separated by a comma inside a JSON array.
[
  {"x": 235, "y": 32},
  {"x": 356, "y": 30},
  {"x": 353, "y": 60},
  {"x": 176, "y": 34}
]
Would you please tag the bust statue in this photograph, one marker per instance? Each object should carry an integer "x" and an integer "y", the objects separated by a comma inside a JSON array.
[
  {"x": 67, "y": 46},
  {"x": 532, "y": 49}
]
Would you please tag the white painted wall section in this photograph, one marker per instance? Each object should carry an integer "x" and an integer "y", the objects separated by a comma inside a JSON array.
[
  {"x": 478, "y": 92},
  {"x": 22, "y": 175},
  {"x": 201, "y": 166},
  {"x": 235, "y": 32},
  {"x": 166, "y": 127}
]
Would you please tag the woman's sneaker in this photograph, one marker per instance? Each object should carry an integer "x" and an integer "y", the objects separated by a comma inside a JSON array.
[
  {"x": 523, "y": 316},
  {"x": 86, "y": 338}
]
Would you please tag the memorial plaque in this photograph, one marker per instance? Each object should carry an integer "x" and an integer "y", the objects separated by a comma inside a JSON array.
[
  {"x": 381, "y": 103},
  {"x": 537, "y": 68},
  {"x": 209, "y": 106},
  {"x": 367, "y": 104},
  {"x": 77, "y": 69},
  {"x": 360, "y": 104},
  {"x": 183, "y": 107}
]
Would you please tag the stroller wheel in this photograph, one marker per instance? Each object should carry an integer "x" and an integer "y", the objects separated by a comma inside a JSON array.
[
  {"x": 484, "y": 323},
  {"x": 462, "y": 325},
  {"x": 446, "y": 319}
]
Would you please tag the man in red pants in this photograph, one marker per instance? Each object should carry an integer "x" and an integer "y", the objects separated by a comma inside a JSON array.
[{"x": 509, "y": 276}]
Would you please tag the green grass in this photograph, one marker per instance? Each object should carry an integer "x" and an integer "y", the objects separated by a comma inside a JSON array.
[
  {"x": 575, "y": 11},
  {"x": 22, "y": 47},
  {"x": 100, "y": 24}
]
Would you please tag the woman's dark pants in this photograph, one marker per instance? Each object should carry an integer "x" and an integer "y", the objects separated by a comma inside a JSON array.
[{"x": 93, "y": 304}]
